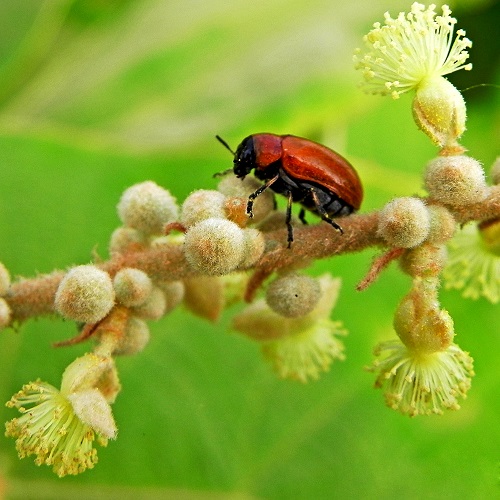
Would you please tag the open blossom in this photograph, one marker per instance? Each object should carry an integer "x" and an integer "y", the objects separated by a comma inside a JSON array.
[
  {"x": 411, "y": 49},
  {"x": 59, "y": 427},
  {"x": 422, "y": 383},
  {"x": 474, "y": 262}
]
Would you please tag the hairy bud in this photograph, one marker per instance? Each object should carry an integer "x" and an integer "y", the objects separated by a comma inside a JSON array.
[
  {"x": 455, "y": 180},
  {"x": 135, "y": 338},
  {"x": 132, "y": 286},
  {"x": 424, "y": 260},
  {"x": 214, "y": 246},
  {"x": 254, "y": 246},
  {"x": 174, "y": 293},
  {"x": 154, "y": 307},
  {"x": 404, "y": 222},
  {"x": 202, "y": 204},
  {"x": 123, "y": 237},
  {"x": 85, "y": 294},
  {"x": 5, "y": 314},
  {"x": 147, "y": 207},
  {"x": 293, "y": 295},
  {"x": 443, "y": 225}
]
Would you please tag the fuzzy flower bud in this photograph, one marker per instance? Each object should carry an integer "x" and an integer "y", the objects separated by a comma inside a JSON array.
[
  {"x": 455, "y": 180},
  {"x": 204, "y": 296},
  {"x": 5, "y": 314},
  {"x": 439, "y": 111},
  {"x": 85, "y": 294},
  {"x": 135, "y": 338},
  {"x": 147, "y": 207},
  {"x": 124, "y": 237},
  {"x": 424, "y": 260},
  {"x": 404, "y": 222},
  {"x": 495, "y": 171},
  {"x": 443, "y": 225},
  {"x": 174, "y": 293},
  {"x": 132, "y": 286},
  {"x": 4, "y": 279},
  {"x": 202, "y": 204},
  {"x": 154, "y": 307},
  {"x": 293, "y": 295},
  {"x": 215, "y": 246},
  {"x": 254, "y": 246},
  {"x": 233, "y": 187}
]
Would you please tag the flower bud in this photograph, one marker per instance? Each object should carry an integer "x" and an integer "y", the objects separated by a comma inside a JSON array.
[
  {"x": 424, "y": 260},
  {"x": 147, "y": 207},
  {"x": 293, "y": 295},
  {"x": 254, "y": 246},
  {"x": 135, "y": 338},
  {"x": 404, "y": 222},
  {"x": 123, "y": 237},
  {"x": 174, "y": 293},
  {"x": 204, "y": 296},
  {"x": 202, "y": 204},
  {"x": 154, "y": 306},
  {"x": 214, "y": 246},
  {"x": 443, "y": 225},
  {"x": 233, "y": 187},
  {"x": 5, "y": 314},
  {"x": 4, "y": 279},
  {"x": 92, "y": 409},
  {"x": 85, "y": 294},
  {"x": 439, "y": 111},
  {"x": 132, "y": 286},
  {"x": 455, "y": 180},
  {"x": 495, "y": 171}
]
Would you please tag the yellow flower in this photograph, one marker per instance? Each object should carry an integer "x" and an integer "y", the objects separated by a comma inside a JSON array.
[
  {"x": 60, "y": 427},
  {"x": 422, "y": 383},
  {"x": 474, "y": 262},
  {"x": 411, "y": 49}
]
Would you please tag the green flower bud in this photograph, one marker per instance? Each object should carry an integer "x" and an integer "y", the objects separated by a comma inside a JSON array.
[
  {"x": 293, "y": 295},
  {"x": 202, "y": 204},
  {"x": 439, "y": 111},
  {"x": 455, "y": 180},
  {"x": 404, "y": 222},
  {"x": 147, "y": 207},
  {"x": 132, "y": 287},
  {"x": 214, "y": 246},
  {"x": 85, "y": 294}
]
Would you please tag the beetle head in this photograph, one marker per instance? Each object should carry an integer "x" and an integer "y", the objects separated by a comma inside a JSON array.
[{"x": 244, "y": 158}]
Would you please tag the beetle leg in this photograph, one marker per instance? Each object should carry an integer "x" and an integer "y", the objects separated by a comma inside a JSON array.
[
  {"x": 323, "y": 213},
  {"x": 259, "y": 191},
  {"x": 302, "y": 216},
  {"x": 288, "y": 218}
]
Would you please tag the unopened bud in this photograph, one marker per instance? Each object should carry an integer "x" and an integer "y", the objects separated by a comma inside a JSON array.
[
  {"x": 174, "y": 293},
  {"x": 233, "y": 187},
  {"x": 147, "y": 207},
  {"x": 404, "y": 222},
  {"x": 132, "y": 286},
  {"x": 214, "y": 246},
  {"x": 154, "y": 307},
  {"x": 135, "y": 338},
  {"x": 85, "y": 294},
  {"x": 424, "y": 260},
  {"x": 4, "y": 279},
  {"x": 125, "y": 237},
  {"x": 5, "y": 314},
  {"x": 439, "y": 110},
  {"x": 202, "y": 204},
  {"x": 443, "y": 225},
  {"x": 455, "y": 180},
  {"x": 293, "y": 295},
  {"x": 254, "y": 246}
]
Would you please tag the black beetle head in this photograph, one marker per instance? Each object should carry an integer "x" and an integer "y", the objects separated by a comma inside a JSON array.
[{"x": 244, "y": 159}]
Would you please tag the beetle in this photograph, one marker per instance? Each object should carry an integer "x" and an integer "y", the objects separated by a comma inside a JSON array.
[{"x": 302, "y": 170}]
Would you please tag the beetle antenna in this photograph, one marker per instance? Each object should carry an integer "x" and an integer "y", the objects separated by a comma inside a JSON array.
[{"x": 225, "y": 144}]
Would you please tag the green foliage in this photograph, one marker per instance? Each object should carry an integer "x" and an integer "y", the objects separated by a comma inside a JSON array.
[{"x": 95, "y": 96}]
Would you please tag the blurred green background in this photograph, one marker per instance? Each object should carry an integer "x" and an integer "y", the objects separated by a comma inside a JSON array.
[{"x": 96, "y": 95}]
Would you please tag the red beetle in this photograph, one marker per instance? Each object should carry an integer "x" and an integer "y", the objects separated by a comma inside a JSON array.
[{"x": 304, "y": 171}]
